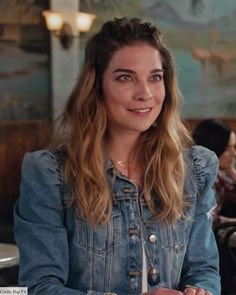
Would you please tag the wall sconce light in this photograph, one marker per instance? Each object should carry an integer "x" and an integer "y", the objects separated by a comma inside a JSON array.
[{"x": 63, "y": 30}]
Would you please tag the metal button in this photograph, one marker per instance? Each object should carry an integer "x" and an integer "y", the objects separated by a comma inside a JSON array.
[
  {"x": 133, "y": 231},
  {"x": 128, "y": 190},
  {"x": 152, "y": 238},
  {"x": 134, "y": 273}
]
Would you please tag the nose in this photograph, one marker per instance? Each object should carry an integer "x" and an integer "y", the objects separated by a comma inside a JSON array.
[
  {"x": 142, "y": 91},
  {"x": 234, "y": 152}
]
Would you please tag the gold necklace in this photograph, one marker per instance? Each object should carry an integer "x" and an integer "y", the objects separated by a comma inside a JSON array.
[{"x": 123, "y": 164}]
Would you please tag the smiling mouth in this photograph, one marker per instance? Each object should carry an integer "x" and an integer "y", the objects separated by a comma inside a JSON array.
[{"x": 141, "y": 111}]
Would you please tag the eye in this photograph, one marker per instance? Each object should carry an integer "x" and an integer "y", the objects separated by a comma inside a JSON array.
[
  {"x": 124, "y": 78},
  {"x": 156, "y": 77}
]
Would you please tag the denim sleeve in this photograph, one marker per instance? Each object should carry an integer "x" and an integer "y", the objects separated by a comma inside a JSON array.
[
  {"x": 39, "y": 230},
  {"x": 201, "y": 263}
]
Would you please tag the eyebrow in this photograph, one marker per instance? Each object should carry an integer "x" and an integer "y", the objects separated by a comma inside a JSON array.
[{"x": 133, "y": 72}]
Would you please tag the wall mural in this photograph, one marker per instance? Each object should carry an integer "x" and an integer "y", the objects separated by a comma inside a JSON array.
[
  {"x": 200, "y": 33},
  {"x": 202, "y": 38},
  {"x": 24, "y": 60}
]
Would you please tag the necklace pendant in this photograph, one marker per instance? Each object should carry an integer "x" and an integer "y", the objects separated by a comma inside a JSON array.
[
  {"x": 122, "y": 164},
  {"x": 153, "y": 276}
]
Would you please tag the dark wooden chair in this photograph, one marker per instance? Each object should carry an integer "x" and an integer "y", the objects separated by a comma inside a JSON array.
[{"x": 226, "y": 241}]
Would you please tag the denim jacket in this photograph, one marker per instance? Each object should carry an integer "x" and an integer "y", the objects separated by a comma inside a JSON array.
[{"x": 61, "y": 253}]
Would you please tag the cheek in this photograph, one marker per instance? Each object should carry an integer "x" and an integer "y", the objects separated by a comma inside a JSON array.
[
  {"x": 229, "y": 155},
  {"x": 111, "y": 103},
  {"x": 112, "y": 94},
  {"x": 162, "y": 97},
  {"x": 161, "y": 93},
  {"x": 226, "y": 158},
  {"x": 109, "y": 97}
]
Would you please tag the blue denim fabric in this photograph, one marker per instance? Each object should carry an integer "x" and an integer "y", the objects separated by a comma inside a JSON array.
[{"x": 62, "y": 254}]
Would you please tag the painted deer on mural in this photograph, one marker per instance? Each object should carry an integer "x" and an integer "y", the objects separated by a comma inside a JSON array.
[{"x": 219, "y": 60}]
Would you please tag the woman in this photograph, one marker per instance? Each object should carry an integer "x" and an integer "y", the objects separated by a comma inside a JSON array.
[
  {"x": 122, "y": 205},
  {"x": 220, "y": 138}
]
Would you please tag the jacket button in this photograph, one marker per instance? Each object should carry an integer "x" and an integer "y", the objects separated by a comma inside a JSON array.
[
  {"x": 152, "y": 238},
  {"x": 134, "y": 273},
  {"x": 133, "y": 231},
  {"x": 128, "y": 190}
]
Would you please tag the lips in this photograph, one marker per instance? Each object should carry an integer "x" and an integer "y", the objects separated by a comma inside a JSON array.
[{"x": 141, "y": 111}]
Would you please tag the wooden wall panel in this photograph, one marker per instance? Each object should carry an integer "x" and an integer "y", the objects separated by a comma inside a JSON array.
[{"x": 17, "y": 138}]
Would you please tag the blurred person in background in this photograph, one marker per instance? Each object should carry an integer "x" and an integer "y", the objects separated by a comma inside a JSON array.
[{"x": 220, "y": 138}]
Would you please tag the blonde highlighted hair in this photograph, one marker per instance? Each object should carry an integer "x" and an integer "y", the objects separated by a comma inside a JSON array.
[{"x": 84, "y": 125}]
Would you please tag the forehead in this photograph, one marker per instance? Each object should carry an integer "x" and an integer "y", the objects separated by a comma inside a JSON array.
[{"x": 136, "y": 55}]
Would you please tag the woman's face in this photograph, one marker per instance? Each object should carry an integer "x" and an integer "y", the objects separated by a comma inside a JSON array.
[
  {"x": 228, "y": 156},
  {"x": 133, "y": 89}
]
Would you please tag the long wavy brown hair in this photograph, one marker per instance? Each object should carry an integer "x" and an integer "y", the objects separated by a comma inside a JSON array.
[{"x": 84, "y": 130}]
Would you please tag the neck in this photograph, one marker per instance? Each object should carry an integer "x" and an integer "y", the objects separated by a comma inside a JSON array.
[
  {"x": 121, "y": 151},
  {"x": 121, "y": 147}
]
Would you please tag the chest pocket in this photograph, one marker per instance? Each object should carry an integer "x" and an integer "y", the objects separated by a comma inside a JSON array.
[
  {"x": 172, "y": 238},
  {"x": 101, "y": 238},
  {"x": 175, "y": 238}
]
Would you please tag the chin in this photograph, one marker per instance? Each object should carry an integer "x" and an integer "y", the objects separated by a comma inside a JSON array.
[{"x": 146, "y": 129}]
